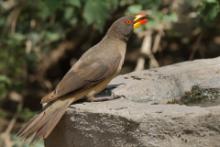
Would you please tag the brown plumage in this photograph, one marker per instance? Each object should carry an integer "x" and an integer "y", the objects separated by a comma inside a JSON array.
[{"x": 87, "y": 77}]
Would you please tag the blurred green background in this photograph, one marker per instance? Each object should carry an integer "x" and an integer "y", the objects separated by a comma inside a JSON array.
[{"x": 41, "y": 39}]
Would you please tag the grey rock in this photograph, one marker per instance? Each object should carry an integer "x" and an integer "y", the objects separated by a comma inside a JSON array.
[{"x": 142, "y": 117}]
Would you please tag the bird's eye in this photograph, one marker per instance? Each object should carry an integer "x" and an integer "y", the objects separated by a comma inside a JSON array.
[{"x": 127, "y": 21}]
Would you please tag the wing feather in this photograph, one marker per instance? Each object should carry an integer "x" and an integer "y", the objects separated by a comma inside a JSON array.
[{"x": 84, "y": 76}]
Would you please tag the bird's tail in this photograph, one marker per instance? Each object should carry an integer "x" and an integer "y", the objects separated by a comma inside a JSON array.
[{"x": 42, "y": 124}]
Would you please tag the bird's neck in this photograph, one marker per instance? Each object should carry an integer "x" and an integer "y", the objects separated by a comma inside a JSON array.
[
  {"x": 109, "y": 39},
  {"x": 117, "y": 36}
]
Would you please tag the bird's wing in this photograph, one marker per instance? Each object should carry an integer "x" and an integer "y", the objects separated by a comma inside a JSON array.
[{"x": 84, "y": 76}]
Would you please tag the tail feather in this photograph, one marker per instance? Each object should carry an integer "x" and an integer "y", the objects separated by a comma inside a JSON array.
[
  {"x": 25, "y": 130},
  {"x": 49, "y": 124},
  {"x": 49, "y": 97},
  {"x": 43, "y": 123}
]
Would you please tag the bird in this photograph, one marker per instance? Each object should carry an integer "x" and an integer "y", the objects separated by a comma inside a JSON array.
[{"x": 87, "y": 77}]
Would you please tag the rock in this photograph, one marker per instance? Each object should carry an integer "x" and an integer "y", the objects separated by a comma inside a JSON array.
[{"x": 143, "y": 117}]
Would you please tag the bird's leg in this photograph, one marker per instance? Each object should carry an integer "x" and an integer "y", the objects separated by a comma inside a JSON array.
[
  {"x": 113, "y": 86},
  {"x": 102, "y": 98},
  {"x": 105, "y": 95}
]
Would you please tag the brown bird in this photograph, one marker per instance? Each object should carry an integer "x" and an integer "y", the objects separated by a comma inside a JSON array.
[{"x": 87, "y": 77}]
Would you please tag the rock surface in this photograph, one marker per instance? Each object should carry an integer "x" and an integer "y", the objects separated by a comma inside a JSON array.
[{"x": 142, "y": 117}]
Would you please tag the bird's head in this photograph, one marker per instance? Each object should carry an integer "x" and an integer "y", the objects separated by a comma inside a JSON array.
[{"x": 124, "y": 26}]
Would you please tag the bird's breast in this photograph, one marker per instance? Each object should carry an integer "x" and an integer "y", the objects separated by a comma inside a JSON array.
[{"x": 122, "y": 52}]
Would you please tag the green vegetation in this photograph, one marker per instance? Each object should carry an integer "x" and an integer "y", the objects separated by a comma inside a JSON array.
[{"x": 198, "y": 96}]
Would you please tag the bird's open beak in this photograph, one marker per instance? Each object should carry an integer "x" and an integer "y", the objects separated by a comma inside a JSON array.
[{"x": 139, "y": 20}]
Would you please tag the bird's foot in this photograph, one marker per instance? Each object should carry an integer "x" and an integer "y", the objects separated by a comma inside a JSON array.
[
  {"x": 113, "y": 86},
  {"x": 102, "y": 98}
]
